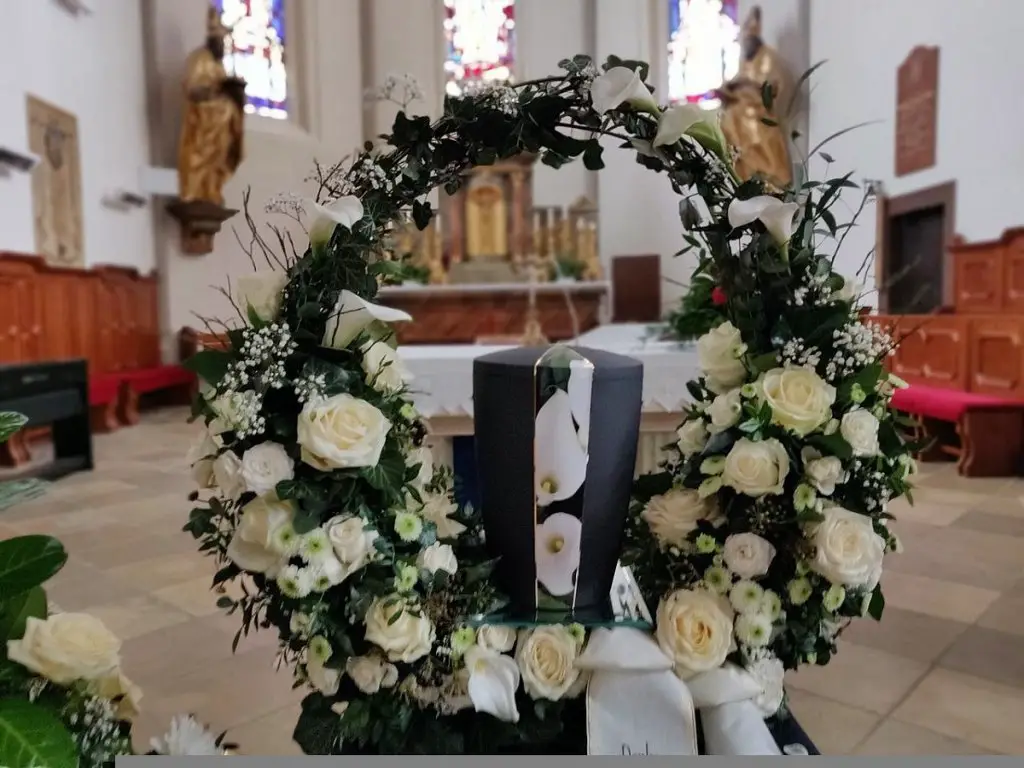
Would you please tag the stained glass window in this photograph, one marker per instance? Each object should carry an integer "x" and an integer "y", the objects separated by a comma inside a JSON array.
[
  {"x": 481, "y": 43},
  {"x": 255, "y": 51},
  {"x": 703, "y": 49}
]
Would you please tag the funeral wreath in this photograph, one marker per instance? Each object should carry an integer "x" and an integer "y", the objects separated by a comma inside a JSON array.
[{"x": 760, "y": 539}]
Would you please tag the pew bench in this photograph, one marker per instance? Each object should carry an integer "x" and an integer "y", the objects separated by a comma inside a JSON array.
[
  {"x": 984, "y": 433},
  {"x": 175, "y": 383}
]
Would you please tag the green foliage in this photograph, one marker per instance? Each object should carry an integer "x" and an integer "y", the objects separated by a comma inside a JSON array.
[
  {"x": 696, "y": 314},
  {"x": 209, "y": 364},
  {"x": 27, "y": 562},
  {"x": 10, "y": 423},
  {"x": 33, "y": 737},
  {"x": 15, "y": 611}
]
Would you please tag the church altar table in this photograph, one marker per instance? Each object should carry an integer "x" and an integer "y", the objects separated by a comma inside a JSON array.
[
  {"x": 442, "y": 387},
  {"x": 462, "y": 314}
]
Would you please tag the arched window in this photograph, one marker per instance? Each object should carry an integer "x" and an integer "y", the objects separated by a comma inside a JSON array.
[
  {"x": 480, "y": 36},
  {"x": 255, "y": 51},
  {"x": 703, "y": 49}
]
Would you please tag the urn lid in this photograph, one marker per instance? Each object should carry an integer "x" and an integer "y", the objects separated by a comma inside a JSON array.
[{"x": 520, "y": 362}]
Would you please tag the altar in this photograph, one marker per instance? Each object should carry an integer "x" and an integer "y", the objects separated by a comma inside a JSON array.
[{"x": 442, "y": 390}]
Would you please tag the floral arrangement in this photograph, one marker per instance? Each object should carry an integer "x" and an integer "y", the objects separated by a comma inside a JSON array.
[
  {"x": 756, "y": 543},
  {"x": 64, "y": 699}
]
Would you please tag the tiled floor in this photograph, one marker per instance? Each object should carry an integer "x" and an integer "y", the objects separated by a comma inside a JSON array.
[{"x": 942, "y": 674}]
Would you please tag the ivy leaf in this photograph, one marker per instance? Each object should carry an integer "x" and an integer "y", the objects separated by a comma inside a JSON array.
[
  {"x": 28, "y": 561},
  {"x": 388, "y": 472},
  {"x": 32, "y": 736},
  {"x": 318, "y": 730},
  {"x": 421, "y": 213},
  {"x": 209, "y": 364},
  {"x": 593, "y": 159},
  {"x": 832, "y": 444},
  {"x": 10, "y": 423}
]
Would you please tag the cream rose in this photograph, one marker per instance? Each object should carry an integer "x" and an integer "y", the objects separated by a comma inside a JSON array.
[
  {"x": 261, "y": 293},
  {"x": 720, "y": 353},
  {"x": 748, "y": 555},
  {"x": 227, "y": 475},
  {"x": 341, "y": 432},
  {"x": 547, "y": 661},
  {"x": 801, "y": 401},
  {"x": 500, "y": 639},
  {"x": 725, "y": 411},
  {"x": 352, "y": 540},
  {"x": 370, "y": 673},
  {"x": 117, "y": 686},
  {"x": 693, "y": 436},
  {"x": 694, "y": 629},
  {"x": 823, "y": 472},
  {"x": 847, "y": 549},
  {"x": 66, "y": 647},
  {"x": 265, "y": 465},
  {"x": 672, "y": 516},
  {"x": 756, "y": 468},
  {"x": 322, "y": 677},
  {"x": 252, "y": 547},
  {"x": 860, "y": 429},
  {"x": 406, "y": 638},
  {"x": 438, "y": 557},
  {"x": 384, "y": 369},
  {"x": 200, "y": 459}
]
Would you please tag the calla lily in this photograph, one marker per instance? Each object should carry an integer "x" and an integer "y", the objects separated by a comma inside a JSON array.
[
  {"x": 345, "y": 211},
  {"x": 557, "y": 553},
  {"x": 581, "y": 381},
  {"x": 561, "y": 462},
  {"x": 493, "y": 682},
  {"x": 776, "y": 215},
  {"x": 351, "y": 315},
  {"x": 618, "y": 86},
  {"x": 676, "y": 122}
]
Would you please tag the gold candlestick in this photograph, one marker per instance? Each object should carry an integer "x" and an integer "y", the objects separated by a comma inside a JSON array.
[{"x": 533, "y": 331}]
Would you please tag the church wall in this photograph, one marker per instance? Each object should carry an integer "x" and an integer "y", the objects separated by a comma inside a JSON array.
[
  {"x": 979, "y": 113},
  {"x": 89, "y": 65}
]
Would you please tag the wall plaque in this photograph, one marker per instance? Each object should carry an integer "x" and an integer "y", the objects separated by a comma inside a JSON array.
[{"x": 917, "y": 86}]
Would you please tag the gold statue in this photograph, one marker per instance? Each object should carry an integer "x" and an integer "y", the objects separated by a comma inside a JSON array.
[
  {"x": 763, "y": 149},
  {"x": 212, "y": 127},
  {"x": 486, "y": 219}
]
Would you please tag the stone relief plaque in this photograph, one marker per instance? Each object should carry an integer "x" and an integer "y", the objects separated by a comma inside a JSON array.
[
  {"x": 56, "y": 184},
  {"x": 917, "y": 86}
]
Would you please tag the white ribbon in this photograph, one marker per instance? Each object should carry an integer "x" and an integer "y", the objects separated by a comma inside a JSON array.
[{"x": 636, "y": 705}]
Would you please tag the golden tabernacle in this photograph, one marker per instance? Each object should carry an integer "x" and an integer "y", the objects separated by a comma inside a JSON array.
[{"x": 488, "y": 259}]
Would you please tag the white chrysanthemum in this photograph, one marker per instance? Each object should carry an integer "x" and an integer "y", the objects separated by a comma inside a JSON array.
[
  {"x": 746, "y": 596},
  {"x": 315, "y": 546},
  {"x": 768, "y": 672},
  {"x": 753, "y": 629},
  {"x": 186, "y": 738},
  {"x": 295, "y": 582}
]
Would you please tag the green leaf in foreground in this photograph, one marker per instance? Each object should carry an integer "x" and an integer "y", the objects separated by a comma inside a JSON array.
[
  {"x": 10, "y": 422},
  {"x": 18, "y": 609},
  {"x": 28, "y": 561},
  {"x": 33, "y": 737}
]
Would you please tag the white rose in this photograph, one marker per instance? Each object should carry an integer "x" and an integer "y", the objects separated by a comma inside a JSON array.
[
  {"x": 800, "y": 399},
  {"x": 720, "y": 353},
  {"x": 437, "y": 508},
  {"x": 860, "y": 429},
  {"x": 227, "y": 475},
  {"x": 847, "y": 549},
  {"x": 438, "y": 557},
  {"x": 370, "y": 673},
  {"x": 693, "y": 436},
  {"x": 694, "y": 629},
  {"x": 252, "y": 546},
  {"x": 66, "y": 647},
  {"x": 384, "y": 369},
  {"x": 341, "y": 432},
  {"x": 547, "y": 660},
  {"x": 425, "y": 460},
  {"x": 265, "y": 465},
  {"x": 261, "y": 293},
  {"x": 674, "y": 515},
  {"x": 496, "y": 638},
  {"x": 756, "y": 468},
  {"x": 725, "y": 411},
  {"x": 321, "y": 677},
  {"x": 406, "y": 638},
  {"x": 353, "y": 542},
  {"x": 824, "y": 472},
  {"x": 200, "y": 458},
  {"x": 748, "y": 555}
]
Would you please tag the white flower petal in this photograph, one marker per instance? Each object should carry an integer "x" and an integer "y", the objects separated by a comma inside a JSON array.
[
  {"x": 493, "y": 682},
  {"x": 581, "y": 382},
  {"x": 776, "y": 215},
  {"x": 743, "y": 212},
  {"x": 779, "y": 221},
  {"x": 561, "y": 462},
  {"x": 351, "y": 315},
  {"x": 345, "y": 211},
  {"x": 675, "y": 122},
  {"x": 618, "y": 86},
  {"x": 557, "y": 552}
]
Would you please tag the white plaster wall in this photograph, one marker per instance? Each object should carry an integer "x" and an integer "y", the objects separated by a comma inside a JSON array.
[
  {"x": 979, "y": 111},
  {"x": 91, "y": 66}
]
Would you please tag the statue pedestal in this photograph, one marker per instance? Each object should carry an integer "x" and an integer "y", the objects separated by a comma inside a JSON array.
[
  {"x": 200, "y": 220},
  {"x": 483, "y": 272}
]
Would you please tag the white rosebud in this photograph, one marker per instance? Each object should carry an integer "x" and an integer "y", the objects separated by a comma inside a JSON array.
[
  {"x": 265, "y": 465},
  {"x": 756, "y": 468},
  {"x": 438, "y": 557},
  {"x": 859, "y": 428},
  {"x": 848, "y": 552},
  {"x": 725, "y": 411},
  {"x": 748, "y": 555},
  {"x": 720, "y": 352},
  {"x": 693, "y": 436},
  {"x": 673, "y": 515}
]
